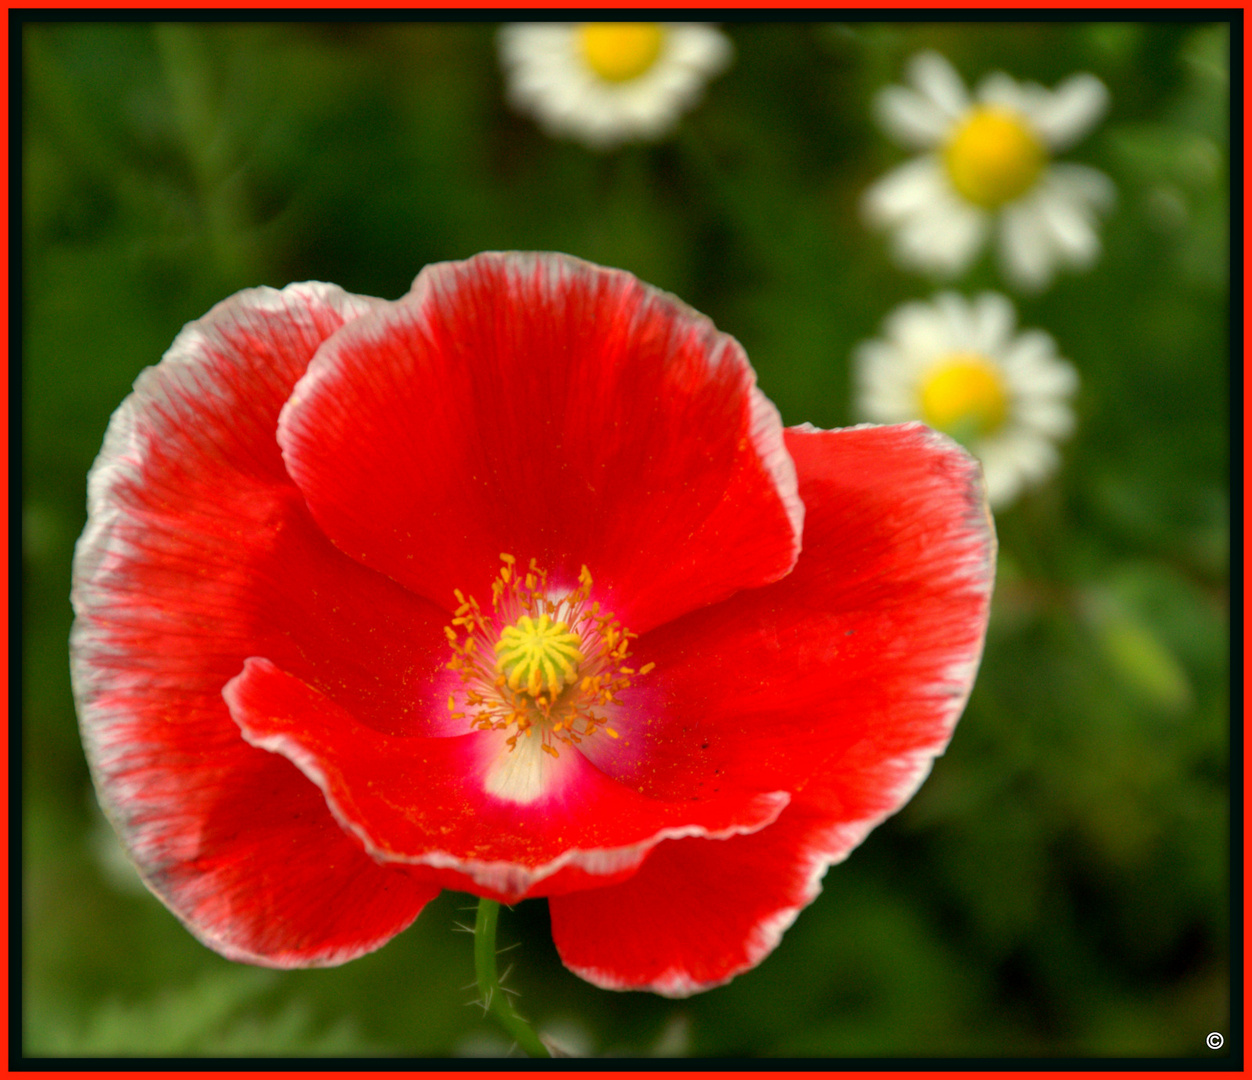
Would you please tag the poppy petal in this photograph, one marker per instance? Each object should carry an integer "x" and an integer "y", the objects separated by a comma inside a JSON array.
[
  {"x": 544, "y": 407},
  {"x": 839, "y": 683},
  {"x": 874, "y": 637},
  {"x": 696, "y": 914},
  {"x": 198, "y": 553},
  {"x": 423, "y": 800}
]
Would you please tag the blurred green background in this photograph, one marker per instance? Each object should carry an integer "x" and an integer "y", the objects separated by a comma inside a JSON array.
[{"x": 1060, "y": 885}]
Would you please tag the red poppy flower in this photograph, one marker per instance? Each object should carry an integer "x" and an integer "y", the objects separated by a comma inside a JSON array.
[{"x": 515, "y": 586}]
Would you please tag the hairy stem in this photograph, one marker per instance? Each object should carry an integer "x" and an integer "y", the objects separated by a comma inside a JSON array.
[{"x": 495, "y": 999}]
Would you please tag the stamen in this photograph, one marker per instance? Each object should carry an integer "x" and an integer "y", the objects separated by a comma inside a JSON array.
[
  {"x": 538, "y": 663},
  {"x": 538, "y": 652}
]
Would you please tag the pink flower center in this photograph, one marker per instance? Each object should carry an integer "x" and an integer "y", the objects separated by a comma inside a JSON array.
[{"x": 546, "y": 666}]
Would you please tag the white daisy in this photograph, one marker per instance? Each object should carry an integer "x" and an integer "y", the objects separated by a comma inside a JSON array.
[
  {"x": 608, "y": 83},
  {"x": 987, "y": 167},
  {"x": 960, "y": 367}
]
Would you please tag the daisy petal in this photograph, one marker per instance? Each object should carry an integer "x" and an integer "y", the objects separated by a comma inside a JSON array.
[
  {"x": 917, "y": 329},
  {"x": 1070, "y": 111},
  {"x": 1083, "y": 184},
  {"x": 1048, "y": 417},
  {"x": 943, "y": 239},
  {"x": 912, "y": 119},
  {"x": 904, "y": 192},
  {"x": 1007, "y": 93},
  {"x": 1004, "y": 479},
  {"x": 883, "y": 395},
  {"x": 199, "y": 551},
  {"x": 1025, "y": 246},
  {"x": 931, "y": 73},
  {"x": 957, "y": 315},
  {"x": 541, "y": 406},
  {"x": 1031, "y": 362},
  {"x": 840, "y": 682},
  {"x": 993, "y": 321},
  {"x": 1031, "y": 455},
  {"x": 1069, "y": 226}
]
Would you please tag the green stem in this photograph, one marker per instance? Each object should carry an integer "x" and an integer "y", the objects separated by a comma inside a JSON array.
[{"x": 495, "y": 999}]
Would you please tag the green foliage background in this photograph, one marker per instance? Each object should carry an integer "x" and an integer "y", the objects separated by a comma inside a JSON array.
[{"x": 1060, "y": 886}]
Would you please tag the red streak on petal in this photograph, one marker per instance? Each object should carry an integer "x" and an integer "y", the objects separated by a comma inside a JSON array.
[
  {"x": 421, "y": 800},
  {"x": 539, "y": 404},
  {"x": 839, "y": 683}
]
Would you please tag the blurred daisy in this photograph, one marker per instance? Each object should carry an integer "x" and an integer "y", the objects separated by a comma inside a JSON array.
[
  {"x": 608, "y": 83},
  {"x": 960, "y": 367},
  {"x": 987, "y": 167}
]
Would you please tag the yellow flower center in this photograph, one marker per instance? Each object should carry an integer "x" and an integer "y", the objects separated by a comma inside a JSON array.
[
  {"x": 538, "y": 654},
  {"x": 964, "y": 395},
  {"x": 542, "y": 665},
  {"x": 993, "y": 157},
  {"x": 619, "y": 52}
]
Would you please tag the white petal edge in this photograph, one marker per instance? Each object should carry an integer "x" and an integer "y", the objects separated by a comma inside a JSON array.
[
  {"x": 764, "y": 421},
  {"x": 505, "y": 878},
  {"x": 913, "y": 768},
  {"x": 101, "y": 550}
]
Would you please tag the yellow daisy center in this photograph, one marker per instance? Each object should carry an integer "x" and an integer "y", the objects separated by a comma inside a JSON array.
[
  {"x": 540, "y": 665},
  {"x": 964, "y": 395},
  {"x": 993, "y": 157},
  {"x": 619, "y": 52}
]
